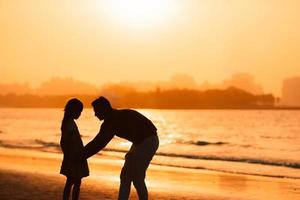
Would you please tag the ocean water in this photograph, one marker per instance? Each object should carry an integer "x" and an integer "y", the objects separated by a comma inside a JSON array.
[{"x": 256, "y": 142}]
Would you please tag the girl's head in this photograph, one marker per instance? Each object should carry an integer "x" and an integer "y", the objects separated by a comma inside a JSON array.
[{"x": 73, "y": 109}]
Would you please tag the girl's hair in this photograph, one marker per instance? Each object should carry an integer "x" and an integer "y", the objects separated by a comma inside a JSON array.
[{"x": 72, "y": 106}]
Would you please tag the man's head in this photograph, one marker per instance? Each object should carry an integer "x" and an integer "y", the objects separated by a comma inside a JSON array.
[{"x": 101, "y": 107}]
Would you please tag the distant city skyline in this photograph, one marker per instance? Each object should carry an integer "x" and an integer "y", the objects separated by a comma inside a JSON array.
[{"x": 68, "y": 85}]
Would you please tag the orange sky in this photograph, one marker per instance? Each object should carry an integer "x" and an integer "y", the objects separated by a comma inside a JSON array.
[{"x": 97, "y": 42}]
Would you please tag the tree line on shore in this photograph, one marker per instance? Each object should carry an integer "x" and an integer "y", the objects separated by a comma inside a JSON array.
[{"x": 230, "y": 98}]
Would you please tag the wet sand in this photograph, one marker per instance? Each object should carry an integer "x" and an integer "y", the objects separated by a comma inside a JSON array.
[{"x": 32, "y": 175}]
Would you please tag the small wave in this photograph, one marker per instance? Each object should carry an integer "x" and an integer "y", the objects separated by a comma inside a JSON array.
[
  {"x": 47, "y": 144},
  {"x": 204, "y": 143},
  {"x": 229, "y": 171},
  {"x": 16, "y": 146},
  {"x": 37, "y": 145},
  {"x": 233, "y": 159},
  {"x": 277, "y": 137}
]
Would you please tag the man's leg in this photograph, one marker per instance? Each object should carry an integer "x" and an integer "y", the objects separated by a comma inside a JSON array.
[
  {"x": 142, "y": 157},
  {"x": 126, "y": 177},
  {"x": 139, "y": 174},
  {"x": 141, "y": 188}
]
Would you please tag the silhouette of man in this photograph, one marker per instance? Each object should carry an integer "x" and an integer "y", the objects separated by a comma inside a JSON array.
[{"x": 135, "y": 127}]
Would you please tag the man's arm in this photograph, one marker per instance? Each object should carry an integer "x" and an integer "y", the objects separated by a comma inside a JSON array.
[{"x": 99, "y": 142}]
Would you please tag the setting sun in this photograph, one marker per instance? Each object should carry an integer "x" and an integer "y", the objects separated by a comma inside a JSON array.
[{"x": 140, "y": 13}]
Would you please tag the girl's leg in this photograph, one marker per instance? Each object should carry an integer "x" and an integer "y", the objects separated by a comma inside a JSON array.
[
  {"x": 67, "y": 189},
  {"x": 76, "y": 189}
]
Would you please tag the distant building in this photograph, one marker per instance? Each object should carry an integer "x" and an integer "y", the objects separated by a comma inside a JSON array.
[
  {"x": 291, "y": 91},
  {"x": 245, "y": 82}
]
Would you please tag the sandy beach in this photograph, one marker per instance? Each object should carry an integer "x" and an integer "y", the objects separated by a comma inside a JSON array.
[{"x": 27, "y": 174}]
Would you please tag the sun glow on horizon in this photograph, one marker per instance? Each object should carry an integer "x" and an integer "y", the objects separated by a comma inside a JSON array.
[{"x": 141, "y": 13}]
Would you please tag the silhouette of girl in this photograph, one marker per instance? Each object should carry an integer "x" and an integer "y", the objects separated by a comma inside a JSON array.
[{"x": 71, "y": 144}]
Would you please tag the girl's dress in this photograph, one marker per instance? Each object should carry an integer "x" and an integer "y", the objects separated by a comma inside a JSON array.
[{"x": 71, "y": 145}]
